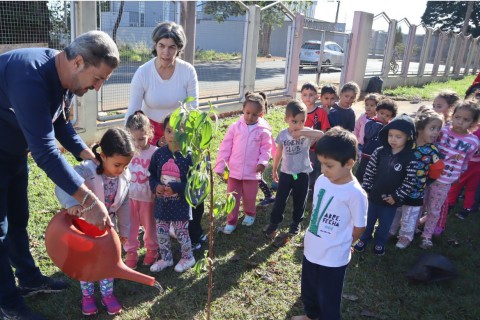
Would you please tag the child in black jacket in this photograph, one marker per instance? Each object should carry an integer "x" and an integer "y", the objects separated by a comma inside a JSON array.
[{"x": 390, "y": 176}]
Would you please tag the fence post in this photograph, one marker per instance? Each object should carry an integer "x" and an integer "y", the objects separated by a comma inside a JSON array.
[
  {"x": 438, "y": 54},
  {"x": 461, "y": 53},
  {"x": 409, "y": 49},
  {"x": 359, "y": 47},
  {"x": 392, "y": 30},
  {"x": 451, "y": 52},
  {"x": 471, "y": 53},
  {"x": 86, "y": 20},
  {"x": 476, "y": 60},
  {"x": 424, "y": 53},
  {"x": 294, "y": 54},
  {"x": 250, "y": 51}
]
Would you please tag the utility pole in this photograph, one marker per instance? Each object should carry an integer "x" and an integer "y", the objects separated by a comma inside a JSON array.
[{"x": 338, "y": 9}]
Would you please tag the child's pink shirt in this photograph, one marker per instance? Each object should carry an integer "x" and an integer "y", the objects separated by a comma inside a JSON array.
[
  {"x": 458, "y": 149},
  {"x": 139, "y": 188},
  {"x": 359, "y": 130}
]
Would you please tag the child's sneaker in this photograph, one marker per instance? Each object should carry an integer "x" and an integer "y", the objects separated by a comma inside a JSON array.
[
  {"x": 150, "y": 257},
  {"x": 131, "y": 260},
  {"x": 203, "y": 238},
  {"x": 248, "y": 221},
  {"x": 185, "y": 264},
  {"x": 379, "y": 250},
  {"x": 229, "y": 228},
  {"x": 294, "y": 229},
  {"x": 111, "y": 304},
  {"x": 426, "y": 243},
  {"x": 196, "y": 246},
  {"x": 402, "y": 243},
  {"x": 89, "y": 307},
  {"x": 161, "y": 265},
  {"x": 359, "y": 246},
  {"x": 270, "y": 230},
  {"x": 462, "y": 215},
  {"x": 265, "y": 202}
]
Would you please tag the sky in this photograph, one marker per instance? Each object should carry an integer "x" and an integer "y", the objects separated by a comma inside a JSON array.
[{"x": 395, "y": 9}]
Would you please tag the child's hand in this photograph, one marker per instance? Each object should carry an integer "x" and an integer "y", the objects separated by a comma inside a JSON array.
[
  {"x": 296, "y": 134},
  {"x": 160, "y": 190},
  {"x": 389, "y": 199},
  {"x": 274, "y": 176},
  {"x": 75, "y": 210},
  {"x": 260, "y": 168},
  {"x": 168, "y": 191}
]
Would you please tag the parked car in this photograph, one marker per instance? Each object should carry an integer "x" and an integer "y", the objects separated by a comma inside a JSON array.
[{"x": 310, "y": 53}]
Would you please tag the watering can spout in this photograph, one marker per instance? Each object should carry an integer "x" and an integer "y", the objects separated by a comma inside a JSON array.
[{"x": 86, "y": 253}]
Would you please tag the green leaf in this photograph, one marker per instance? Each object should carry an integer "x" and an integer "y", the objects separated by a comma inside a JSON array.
[
  {"x": 229, "y": 203},
  {"x": 188, "y": 100},
  {"x": 199, "y": 266},
  {"x": 207, "y": 135},
  {"x": 176, "y": 119}
]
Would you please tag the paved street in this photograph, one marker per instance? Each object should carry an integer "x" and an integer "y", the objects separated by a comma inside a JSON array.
[{"x": 223, "y": 79}]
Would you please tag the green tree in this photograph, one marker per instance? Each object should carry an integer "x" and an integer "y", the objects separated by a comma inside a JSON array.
[
  {"x": 194, "y": 133},
  {"x": 271, "y": 17},
  {"x": 450, "y": 15},
  {"x": 24, "y": 22}
]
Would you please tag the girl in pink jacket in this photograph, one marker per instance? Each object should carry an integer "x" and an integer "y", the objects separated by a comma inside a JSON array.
[{"x": 246, "y": 149}]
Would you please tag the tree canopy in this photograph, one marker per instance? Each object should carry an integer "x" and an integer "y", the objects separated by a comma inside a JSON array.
[
  {"x": 270, "y": 18},
  {"x": 450, "y": 15}
]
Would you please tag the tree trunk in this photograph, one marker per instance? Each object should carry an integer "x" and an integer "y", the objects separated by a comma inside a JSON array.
[
  {"x": 117, "y": 22},
  {"x": 264, "y": 40}
]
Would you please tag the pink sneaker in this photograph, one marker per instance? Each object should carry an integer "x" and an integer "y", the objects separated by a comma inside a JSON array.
[
  {"x": 150, "y": 257},
  {"x": 89, "y": 307},
  {"x": 131, "y": 259},
  {"x": 111, "y": 304}
]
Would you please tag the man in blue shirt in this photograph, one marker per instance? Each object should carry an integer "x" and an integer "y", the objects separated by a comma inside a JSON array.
[{"x": 36, "y": 88}]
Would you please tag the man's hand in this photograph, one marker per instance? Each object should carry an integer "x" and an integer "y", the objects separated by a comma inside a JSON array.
[
  {"x": 87, "y": 154},
  {"x": 75, "y": 210},
  {"x": 98, "y": 215},
  {"x": 274, "y": 176}
]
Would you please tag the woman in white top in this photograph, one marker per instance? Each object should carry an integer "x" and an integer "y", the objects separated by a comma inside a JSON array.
[{"x": 161, "y": 84}]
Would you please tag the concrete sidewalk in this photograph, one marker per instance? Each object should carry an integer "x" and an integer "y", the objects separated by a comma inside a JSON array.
[{"x": 407, "y": 107}]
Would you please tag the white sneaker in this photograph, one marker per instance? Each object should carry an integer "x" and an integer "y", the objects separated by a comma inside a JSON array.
[
  {"x": 160, "y": 265},
  {"x": 248, "y": 221},
  {"x": 185, "y": 264}
]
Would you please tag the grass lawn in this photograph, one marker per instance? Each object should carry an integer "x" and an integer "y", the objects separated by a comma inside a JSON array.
[
  {"x": 255, "y": 280},
  {"x": 430, "y": 90}
]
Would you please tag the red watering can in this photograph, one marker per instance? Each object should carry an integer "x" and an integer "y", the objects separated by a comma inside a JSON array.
[{"x": 84, "y": 252}]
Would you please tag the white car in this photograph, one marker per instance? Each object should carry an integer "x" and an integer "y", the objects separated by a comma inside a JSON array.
[{"x": 332, "y": 55}]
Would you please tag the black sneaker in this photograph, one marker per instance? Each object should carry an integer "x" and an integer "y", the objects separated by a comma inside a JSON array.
[
  {"x": 359, "y": 246},
  {"x": 294, "y": 229},
  {"x": 462, "y": 215},
  {"x": 203, "y": 238},
  {"x": 48, "y": 285},
  {"x": 270, "y": 231},
  {"x": 19, "y": 313},
  {"x": 379, "y": 250}
]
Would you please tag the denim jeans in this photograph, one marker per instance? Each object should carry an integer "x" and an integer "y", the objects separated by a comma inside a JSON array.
[
  {"x": 14, "y": 243},
  {"x": 384, "y": 215}
]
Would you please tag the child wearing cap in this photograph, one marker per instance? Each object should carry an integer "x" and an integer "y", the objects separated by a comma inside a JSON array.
[{"x": 168, "y": 177}]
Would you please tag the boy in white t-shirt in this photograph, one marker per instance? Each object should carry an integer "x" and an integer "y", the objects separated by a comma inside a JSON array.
[{"x": 339, "y": 217}]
